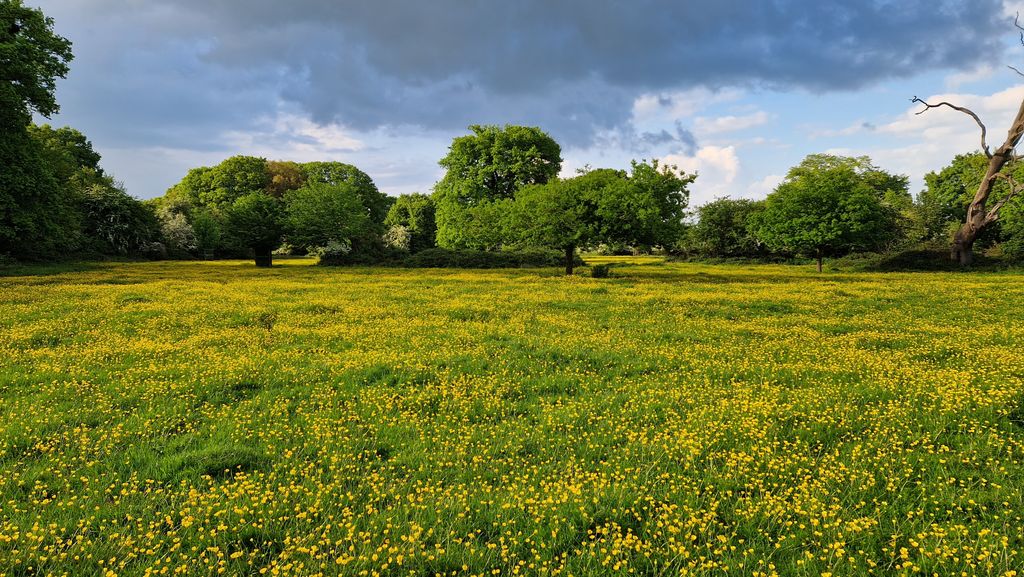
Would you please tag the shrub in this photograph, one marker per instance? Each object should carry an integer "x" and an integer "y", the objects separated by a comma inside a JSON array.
[
  {"x": 398, "y": 237},
  {"x": 447, "y": 258},
  {"x": 921, "y": 258},
  {"x": 153, "y": 251},
  {"x": 600, "y": 271},
  {"x": 177, "y": 232}
]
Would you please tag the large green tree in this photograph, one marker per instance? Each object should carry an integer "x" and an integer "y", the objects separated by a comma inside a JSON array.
[
  {"x": 339, "y": 173},
  {"x": 489, "y": 166},
  {"x": 561, "y": 214},
  {"x": 234, "y": 178},
  {"x": 36, "y": 219},
  {"x": 319, "y": 214},
  {"x": 68, "y": 154},
  {"x": 827, "y": 209}
]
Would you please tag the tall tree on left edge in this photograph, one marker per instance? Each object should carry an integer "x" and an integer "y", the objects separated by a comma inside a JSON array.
[{"x": 36, "y": 219}]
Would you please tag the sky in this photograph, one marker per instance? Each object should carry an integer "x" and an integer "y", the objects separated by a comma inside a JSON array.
[{"x": 737, "y": 91}]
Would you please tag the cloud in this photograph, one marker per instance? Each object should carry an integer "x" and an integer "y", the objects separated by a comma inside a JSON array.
[
  {"x": 958, "y": 79},
  {"x": 294, "y": 136},
  {"x": 566, "y": 66},
  {"x": 764, "y": 186},
  {"x": 859, "y": 127},
  {"x": 915, "y": 144},
  {"x": 673, "y": 106},
  {"x": 716, "y": 167},
  {"x": 210, "y": 76},
  {"x": 720, "y": 124}
]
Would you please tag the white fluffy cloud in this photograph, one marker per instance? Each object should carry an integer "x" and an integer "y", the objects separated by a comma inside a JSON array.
[
  {"x": 667, "y": 107},
  {"x": 705, "y": 126},
  {"x": 762, "y": 188},
  {"x": 293, "y": 136},
  {"x": 915, "y": 144},
  {"x": 716, "y": 166}
]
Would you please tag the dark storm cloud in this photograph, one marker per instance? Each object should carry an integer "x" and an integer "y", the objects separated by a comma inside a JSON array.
[{"x": 572, "y": 67}]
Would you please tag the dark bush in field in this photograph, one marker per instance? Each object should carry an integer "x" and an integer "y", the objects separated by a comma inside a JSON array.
[
  {"x": 916, "y": 259},
  {"x": 445, "y": 258}
]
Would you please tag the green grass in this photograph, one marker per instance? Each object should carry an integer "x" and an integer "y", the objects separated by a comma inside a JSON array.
[{"x": 198, "y": 417}]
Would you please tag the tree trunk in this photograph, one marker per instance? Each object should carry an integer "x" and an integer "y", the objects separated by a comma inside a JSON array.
[
  {"x": 570, "y": 258},
  {"x": 819, "y": 262},
  {"x": 263, "y": 256},
  {"x": 963, "y": 246}
]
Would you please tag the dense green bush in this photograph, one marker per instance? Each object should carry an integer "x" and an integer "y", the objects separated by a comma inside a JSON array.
[
  {"x": 446, "y": 258},
  {"x": 601, "y": 271},
  {"x": 926, "y": 257}
]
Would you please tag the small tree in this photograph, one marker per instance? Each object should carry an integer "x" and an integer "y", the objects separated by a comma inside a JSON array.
[
  {"x": 561, "y": 214},
  {"x": 825, "y": 210},
  {"x": 115, "y": 222},
  {"x": 257, "y": 221},
  {"x": 723, "y": 229},
  {"x": 602, "y": 205}
]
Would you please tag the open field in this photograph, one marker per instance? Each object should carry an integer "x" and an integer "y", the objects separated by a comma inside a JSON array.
[{"x": 204, "y": 417}]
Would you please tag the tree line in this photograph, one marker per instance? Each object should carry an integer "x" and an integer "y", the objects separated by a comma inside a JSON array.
[{"x": 502, "y": 191}]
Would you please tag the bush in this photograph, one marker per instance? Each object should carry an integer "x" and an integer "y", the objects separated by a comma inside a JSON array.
[
  {"x": 600, "y": 271},
  {"x": 919, "y": 259},
  {"x": 153, "y": 251},
  {"x": 447, "y": 258},
  {"x": 364, "y": 253},
  {"x": 398, "y": 237}
]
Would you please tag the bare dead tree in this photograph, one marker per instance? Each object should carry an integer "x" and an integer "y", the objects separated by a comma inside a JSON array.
[{"x": 979, "y": 215}]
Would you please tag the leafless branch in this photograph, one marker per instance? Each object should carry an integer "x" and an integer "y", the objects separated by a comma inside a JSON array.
[
  {"x": 967, "y": 111},
  {"x": 1015, "y": 70},
  {"x": 1016, "y": 24}
]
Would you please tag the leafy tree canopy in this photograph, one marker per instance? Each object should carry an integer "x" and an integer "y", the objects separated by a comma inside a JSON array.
[
  {"x": 494, "y": 162},
  {"x": 256, "y": 220},
  {"x": 321, "y": 213},
  {"x": 284, "y": 175},
  {"x": 647, "y": 207},
  {"x": 943, "y": 202},
  {"x": 484, "y": 167},
  {"x": 32, "y": 58},
  {"x": 338, "y": 173}
]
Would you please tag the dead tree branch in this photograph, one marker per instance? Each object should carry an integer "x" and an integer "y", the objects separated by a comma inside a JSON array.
[{"x": 967, "y": 111}]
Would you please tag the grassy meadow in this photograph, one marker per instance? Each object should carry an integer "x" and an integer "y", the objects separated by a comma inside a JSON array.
[{"x": 204, "y": 418}]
